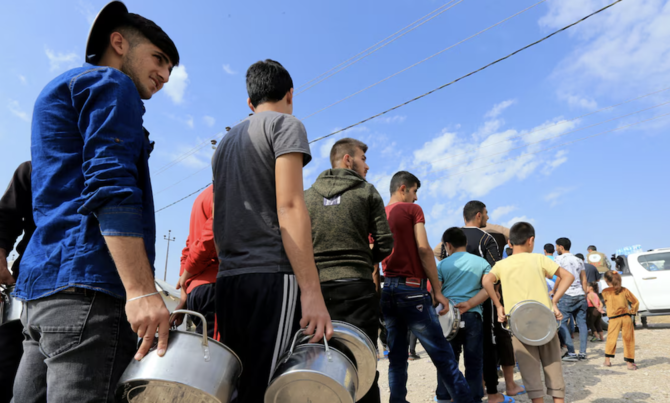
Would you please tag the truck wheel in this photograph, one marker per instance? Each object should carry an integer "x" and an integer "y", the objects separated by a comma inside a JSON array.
[{"x": 644, "y": 322}]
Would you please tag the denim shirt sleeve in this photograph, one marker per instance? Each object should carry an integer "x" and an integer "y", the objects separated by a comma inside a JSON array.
[{"x": 110, "y": 122}]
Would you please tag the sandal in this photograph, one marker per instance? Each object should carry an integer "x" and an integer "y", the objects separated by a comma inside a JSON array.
[
  {"x": 606, "y": 364},
  {"x": 634, "y": 368}
]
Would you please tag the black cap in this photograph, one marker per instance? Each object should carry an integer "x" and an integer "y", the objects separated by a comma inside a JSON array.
[{"x": 108, "y": 18}]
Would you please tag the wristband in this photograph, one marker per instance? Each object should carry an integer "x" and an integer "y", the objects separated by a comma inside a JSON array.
[{"x": 143, "y": 296}]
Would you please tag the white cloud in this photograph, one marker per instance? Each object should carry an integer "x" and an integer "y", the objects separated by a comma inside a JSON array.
[
  {"x": 576, "y": 101},
  {"x": 472, "y": 166},
  {"x": 391, "y": 119},
  {"x": 499, "y": 108},
  {"x": 175, "y": 88},
  {"x": 557, "y": 195},
  {"x": 187, "y": 120},
  {"x": 87, "y": 10},
  {"x": 58, "y": 60},
  {"x": 22, "y": 78},
  {"x": 500, "y": 212},
  {"x": 209, "y": 121},
  {"x": 518, "y": 219},
  {"x": 619, "y": 53},
  {"x": 559, "y": 159},
  {"x": 17, "y": 111},
  {"x": 228, "y": 69}
]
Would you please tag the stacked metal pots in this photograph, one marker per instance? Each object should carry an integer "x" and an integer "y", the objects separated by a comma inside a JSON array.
[{"x": 341, "y": 370}]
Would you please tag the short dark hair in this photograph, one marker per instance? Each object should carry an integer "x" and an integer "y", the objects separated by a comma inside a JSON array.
[
  {"x": 267, "y": 81},
  {"x": 472, "y": 208},
  {"x": 549, "y": 248},
  {"x": 564, "y": 242},
  {"x": 579, "y": 255},
  {"x": 593, "y": 248},
  {"x": 345, "y": 146},
  {"x": 134, "y": 27},
  {"x": 455, "y": 236},
  {"x": 520, "y": 233},
  {"x": 403, "y": 178}
]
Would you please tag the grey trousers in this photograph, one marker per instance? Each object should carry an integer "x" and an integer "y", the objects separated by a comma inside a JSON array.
[{"x": 77, "y": 344}]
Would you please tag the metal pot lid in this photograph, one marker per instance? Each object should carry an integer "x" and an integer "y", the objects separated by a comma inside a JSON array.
[
  {"x": 302, "y": 386},
  {"x": 364, "y": 352},
  {"x": 532, "y": 323},
  {"x": 450, "y": 321}
]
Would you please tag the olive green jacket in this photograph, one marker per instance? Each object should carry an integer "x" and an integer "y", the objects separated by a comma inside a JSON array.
[{"x": 345, "y": 211}]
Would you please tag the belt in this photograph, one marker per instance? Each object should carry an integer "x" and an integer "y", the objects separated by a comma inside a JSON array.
[
  {"x": 409, "y": 281},
  {"x": 620, "y": 316}
]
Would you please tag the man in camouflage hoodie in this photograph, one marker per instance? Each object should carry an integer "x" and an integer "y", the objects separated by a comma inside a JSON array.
[{"x": 350, "y": 235}]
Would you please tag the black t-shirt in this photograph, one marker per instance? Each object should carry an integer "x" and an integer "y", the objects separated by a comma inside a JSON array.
[
  {"x": 592, "y": 274},
  {"x": 246, "y": 226},
  {"x": 482, "y": 244}
]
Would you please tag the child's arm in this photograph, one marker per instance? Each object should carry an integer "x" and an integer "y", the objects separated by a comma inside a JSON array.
[
  {"x": 563, "y": 282},
  {"x": 478, "y": 299},
  {"x": 634, "y": 303},
  {"x": 487, "y": 282}
]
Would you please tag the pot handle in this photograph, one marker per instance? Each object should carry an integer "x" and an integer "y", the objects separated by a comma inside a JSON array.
[
  {"x": 295, "y": 340},
  {"x": 205, "y": 342}
]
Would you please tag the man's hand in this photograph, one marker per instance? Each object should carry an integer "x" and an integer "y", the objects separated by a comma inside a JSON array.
[
  {"x": 315, "y": 317},
  {"x": 441, "y": 299},
  {"x": 5, "y": 276},
  {"x": 557, "y": 312},
  {"x": 463, "y": 307},
  {"x": 182, "y": 280},
  {"x": 179, "y": 318},
  {"x": 147, "y": 316},
  {"x": 501, "y": 314}
]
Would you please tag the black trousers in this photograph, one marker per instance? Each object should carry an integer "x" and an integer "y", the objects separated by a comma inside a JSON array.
[
  {"x": 11, "y": 350},
  {"x": 257, "y": 316},
  {"x": 202, "y": 299},
  {"x": 356, "y": 302}
]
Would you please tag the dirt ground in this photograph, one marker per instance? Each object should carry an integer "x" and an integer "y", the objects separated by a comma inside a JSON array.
[{"x": 586, "y": 381}]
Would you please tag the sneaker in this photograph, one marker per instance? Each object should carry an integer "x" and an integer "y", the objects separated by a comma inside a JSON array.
[
  {"x": 413, "y": 357},
  {"x": 570, "y": 357},
  {"x": 594, "y": 339},
  {"x": 581, "y": 356}
]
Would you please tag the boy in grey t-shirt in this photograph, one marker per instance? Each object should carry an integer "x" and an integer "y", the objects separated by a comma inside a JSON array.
[{"x": 263, "y": 234}]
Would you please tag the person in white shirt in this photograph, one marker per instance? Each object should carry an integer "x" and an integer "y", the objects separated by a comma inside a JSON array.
[{"x": 573, "y": 303}]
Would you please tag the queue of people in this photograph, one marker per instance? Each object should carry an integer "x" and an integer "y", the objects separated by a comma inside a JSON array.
[{"x": 264, "y": 258}]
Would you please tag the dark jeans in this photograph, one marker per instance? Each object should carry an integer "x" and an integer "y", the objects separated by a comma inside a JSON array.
[
  {"x": 202, "y": 299},
  {"x": 404, "y": 308},
  {"x": 412, "y": 343},
  {"x": 490, "y": 369},
  {"x": 11, "y": 349},
  {"x": 594, "y": 320},
  {"x": 77, "y": 344},
  {"x": 469, "y": 340},
  {"x": 355, "y": 302},
  {"x": 574, "y": 306}
]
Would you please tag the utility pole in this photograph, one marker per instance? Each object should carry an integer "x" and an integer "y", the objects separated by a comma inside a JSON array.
[{"x": 167, "y": 238}]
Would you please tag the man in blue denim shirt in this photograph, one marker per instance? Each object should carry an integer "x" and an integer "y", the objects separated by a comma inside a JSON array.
[{"x": 93, "y": 207}]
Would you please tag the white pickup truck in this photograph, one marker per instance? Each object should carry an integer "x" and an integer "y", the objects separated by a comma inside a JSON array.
[{"x": 647, "y": 276}]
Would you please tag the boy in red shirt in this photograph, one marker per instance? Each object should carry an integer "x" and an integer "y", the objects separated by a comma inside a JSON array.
[
  {"x": 406, "y": 303},
  {"x": 199, "y": 264}
]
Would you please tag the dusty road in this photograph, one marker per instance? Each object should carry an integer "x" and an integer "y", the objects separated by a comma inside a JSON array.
[{"x": 586, "y": 381}]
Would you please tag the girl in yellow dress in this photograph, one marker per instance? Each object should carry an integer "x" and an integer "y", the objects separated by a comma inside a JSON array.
[{"x": 621, "y": 306}]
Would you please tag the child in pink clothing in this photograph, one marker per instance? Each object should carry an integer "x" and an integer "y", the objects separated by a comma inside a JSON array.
[{"x": 594, "y": 312}]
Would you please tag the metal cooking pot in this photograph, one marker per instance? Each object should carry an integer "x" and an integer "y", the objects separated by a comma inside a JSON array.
[
  {"x": 450, "y": 321},
  {"x": 358, "y": 347},
  {"x": 10, "y": 308},
  {"x": 195, "y": 368},
  {"x": 313, "y": 373},
  {"x": 532, "y": 323}
]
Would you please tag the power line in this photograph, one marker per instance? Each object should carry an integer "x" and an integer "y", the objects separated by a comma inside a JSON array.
[
  {"x": 467, "y": 75},
  {"x": 383, "y": 40},
  {"x": 422, "y": 61},
  {"x": 381, "y": 47},
  {"x": 180, "y": 181},
  {"x": 547, "y": 138},
  {"x": 183, "y": 198},
  {"x": 556, "y": 146}
]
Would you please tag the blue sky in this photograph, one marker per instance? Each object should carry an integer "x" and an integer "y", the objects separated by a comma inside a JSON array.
[{"x": 498, "y": 136}]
